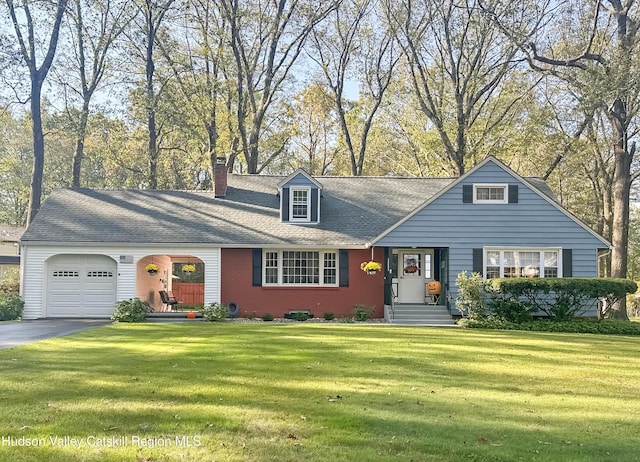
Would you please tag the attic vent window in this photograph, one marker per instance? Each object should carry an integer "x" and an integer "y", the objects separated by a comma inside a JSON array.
[
  {"x": 490, "y": 194},
  {"x": 300, "y": 204}
]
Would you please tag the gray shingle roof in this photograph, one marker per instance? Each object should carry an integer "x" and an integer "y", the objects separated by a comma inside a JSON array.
[{"x": 353, "y": 211}]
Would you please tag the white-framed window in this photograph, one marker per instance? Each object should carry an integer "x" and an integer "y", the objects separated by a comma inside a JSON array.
[
  {"x": 300, "y": 204},
  {"x": 490, "y": 194},
  {"x": 271, "y": 267},
  {"x": 522, "y": 263},
  {"x": 300, "y": 268}
]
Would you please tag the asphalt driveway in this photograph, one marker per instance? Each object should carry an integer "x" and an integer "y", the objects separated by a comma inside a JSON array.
[{"x": 14, "y": 333}]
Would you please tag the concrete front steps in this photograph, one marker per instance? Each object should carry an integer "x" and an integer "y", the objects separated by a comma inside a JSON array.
[{"x": 420, "y": 315}]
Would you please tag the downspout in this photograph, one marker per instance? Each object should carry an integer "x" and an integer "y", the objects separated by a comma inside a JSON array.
[
  {"x": 604, "y": 254},
  {"x": 602, "y": 307}
]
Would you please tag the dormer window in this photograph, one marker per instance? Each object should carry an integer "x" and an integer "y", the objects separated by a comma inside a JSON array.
[
  {"x": 300, "y": 199},
  {"x": 300, "y": 204}
]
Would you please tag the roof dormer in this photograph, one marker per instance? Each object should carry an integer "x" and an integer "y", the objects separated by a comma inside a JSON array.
[{"x": 299, "y": 198}]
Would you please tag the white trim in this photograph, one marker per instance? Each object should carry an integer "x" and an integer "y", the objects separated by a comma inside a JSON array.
[
  {"x": 503, "y": 186},
  {"x": 292, "y": 190},
  {"x": 321, "y": 253},
  {"x": 539, "y": 250},
  {"x": 33, "y": 269},
  {"x": 299, "y": 171}
]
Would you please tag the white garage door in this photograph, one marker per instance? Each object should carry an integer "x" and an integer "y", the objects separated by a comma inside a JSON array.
[{"x": 81, "y": 286}]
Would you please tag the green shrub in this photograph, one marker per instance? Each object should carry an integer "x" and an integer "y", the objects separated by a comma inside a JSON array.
[
  {"x": 511, "y": 310},
  {"x": 267, "y": 317},
  {"x": 488, "y": 322},
  {"x": 300, "y": 316},
  {"x": 215, "y": 312},
  {"x": 472, "y": 298},
  {"x": 328, "y": 316},
  {"x": 362, "y": 313},
  {"x": 134, "y": 310},
  {"x": 576, "y": 326},
  {"x": 561, "y": 298},
  {"x": 11, "y": 306},
  {"x": 346, "y": 319}
]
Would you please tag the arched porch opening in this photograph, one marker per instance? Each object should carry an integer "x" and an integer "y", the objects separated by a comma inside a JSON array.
[{"x": 179, "y": 275}]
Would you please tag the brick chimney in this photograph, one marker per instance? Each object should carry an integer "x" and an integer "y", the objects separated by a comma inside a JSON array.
[{"x": 220, "y": 177}]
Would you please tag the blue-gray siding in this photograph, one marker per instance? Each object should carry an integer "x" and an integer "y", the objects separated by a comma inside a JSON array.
[
  {"x": 461, "y": 227},
  {"x": 298, "y": 180}
]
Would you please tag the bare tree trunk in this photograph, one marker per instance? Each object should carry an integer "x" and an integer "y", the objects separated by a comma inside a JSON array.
[
  {"x": 79, "y": 150},
  {"x": 37, "y": 75},
  {"x": 621, "y": 196},
  {"x": 93, "y": 41},
  {"x": 152, "y": 146},
  {"x": 38, "y": 151},
  {"x": 154, "y": 15}
]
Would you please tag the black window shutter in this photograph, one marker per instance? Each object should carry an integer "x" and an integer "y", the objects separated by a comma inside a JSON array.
[
  {"x": 344, "y": 268},
  {"x": 477, "y": 261},
  {"x": 393, "y": 265},
  {"x": 285, "y": 204},
  {"x": 467, "y": 193},
  {"x": 567, "y": 263},
  {"x": 257, "y": 267},
  {"x": 513, "y": 193},
  {"x": 315, "y": 193}
]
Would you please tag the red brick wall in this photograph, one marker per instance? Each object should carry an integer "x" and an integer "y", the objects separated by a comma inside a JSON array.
[{"x": 363, "y": 289}]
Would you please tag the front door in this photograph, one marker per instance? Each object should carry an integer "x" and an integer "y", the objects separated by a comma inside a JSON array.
[{"x": 415, "y": 269}]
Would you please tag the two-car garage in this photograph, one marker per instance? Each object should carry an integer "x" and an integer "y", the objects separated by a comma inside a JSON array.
[{"x": 80, "y": 286}]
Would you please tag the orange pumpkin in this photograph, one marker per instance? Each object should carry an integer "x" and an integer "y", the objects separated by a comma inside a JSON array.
[
  {"x": 433, "y": 288},
  {"x": 191, "y": 314}
]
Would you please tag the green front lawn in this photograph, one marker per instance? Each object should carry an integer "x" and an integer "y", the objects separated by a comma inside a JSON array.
[{"x": 320, "y": 392}]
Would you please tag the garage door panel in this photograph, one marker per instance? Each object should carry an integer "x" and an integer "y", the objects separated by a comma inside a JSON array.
[{"x": 81, "y": 286}]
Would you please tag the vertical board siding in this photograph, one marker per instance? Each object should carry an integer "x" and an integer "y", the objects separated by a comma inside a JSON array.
[
  {"x": 450, "y": 222},
  {"x": 189, "y": 293}
]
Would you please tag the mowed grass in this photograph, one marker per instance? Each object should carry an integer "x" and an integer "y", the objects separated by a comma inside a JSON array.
[{"x": 320, "y": 392}]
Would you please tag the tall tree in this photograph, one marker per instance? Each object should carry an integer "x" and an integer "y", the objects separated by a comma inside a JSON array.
[
  {"x": 144, "y": 41},
  {"x": 458, "y": 61},
  {"x": 198, "y": 58},
  {"x": 28, "y": 26},
  {"x": 314, "y": 139},
  {"x": 354, "y": 38},
  {"x": 594, "y": 46},
  {"x": 95, "y": 27},
  {"x": 267, "y": 38}
]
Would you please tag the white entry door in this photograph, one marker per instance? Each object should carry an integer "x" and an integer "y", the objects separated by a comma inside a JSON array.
[{"x": 415, "y": 269}]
